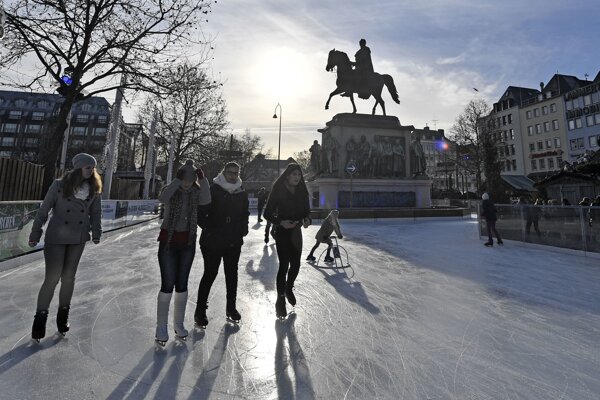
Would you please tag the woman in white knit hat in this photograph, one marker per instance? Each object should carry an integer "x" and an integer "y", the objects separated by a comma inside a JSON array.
[
  {"x": 76, "y": 210},
  {"x": 184, "y": 200}
]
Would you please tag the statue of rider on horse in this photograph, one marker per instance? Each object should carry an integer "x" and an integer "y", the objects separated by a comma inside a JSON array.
[{"x": 362, "y": 80}]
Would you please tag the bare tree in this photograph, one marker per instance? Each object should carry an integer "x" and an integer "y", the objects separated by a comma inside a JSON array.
[
  {"x": 194, "y": 113},
  {"x": 93, "y": 43},
  {"x": 303, "y": 159},
  {"x": 468, "y": 131}
]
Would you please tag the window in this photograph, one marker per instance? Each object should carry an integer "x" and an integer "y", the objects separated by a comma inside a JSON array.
[
  {"x": 597, "y": 118},
  {"x": 528, "y": 114},
  {"x": 43, "y": 104},
  {"x": 551, "y": 163},
  {"x": 32, "y": 142},
  {"x": 508, "y": 165},
  {"x": 531, "y": 146},
  {"x": 542, "y": 163},
  {"x": 32, "y": 128},
  {"x": 557, "y": 142},
  {"x": 82, "y": 118},
  {"x": 534, "y": 165},
  {"x": 549, "y": 143},
  {"x": 555, "y": 124},
  {"x": 512, "y": 133},
  {"x": 504, "y": 120},
  {"x": 536, "y": 112},
  {"x": 512, "y": 149},
  {"x": 85, "y": 107},
  {"x": 20, "y": 103},
  {"x": 571, "y": 124},
  {"x": 546, "y": 126},
  {"x": 530, "y": 130},
  {"x": 99, "y": 131},
  {"x": 540, "y": 145},
  {"x": 10, "y": 128},
  {"x": 538, "y": 128},
  {"x": 580, "y": 143},
  {"x": 102, "y": 119},
  {"x": 578, "y": 123},
  {"x": 510, "y": 118},
  {"x": 13, "y": 114},
  {"x": 577, "y": 102},
  {"x": 514, "y": 164},
  {"x": 553, "y": 107},
  {"x": 545, "y": 110},
  {"x": 78, "y": 130},
  {"x": 569, "y": 105},
  {"x": 77, "y": 143},
  {"x": 500, "y": 151},
  {"x": 505, "y": 136},
  {"x": 38, "y": 116},
  {"x": 593, "y": 141},
  {"x": 559, "y": 162},
  {"x": 587, "y": 99},
  {"x": 589, "y": 120},
  {"x": 576, "y": 144},
  {"x": 8, "y": 141}
]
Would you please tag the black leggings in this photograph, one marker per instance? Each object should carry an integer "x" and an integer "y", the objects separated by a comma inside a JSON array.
[
  {"x": 212, "y": 260},
  {"x": 62, "y": 261},
  {"x": 289, "y": 258}
]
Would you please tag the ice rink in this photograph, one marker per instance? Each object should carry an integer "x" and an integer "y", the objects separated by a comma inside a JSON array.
[{"x": 424, "y": 311}]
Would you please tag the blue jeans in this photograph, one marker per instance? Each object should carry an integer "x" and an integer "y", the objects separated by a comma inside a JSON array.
[{"x": 175, "y": 264}]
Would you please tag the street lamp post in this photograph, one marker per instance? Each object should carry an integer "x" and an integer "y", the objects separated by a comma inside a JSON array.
[{"x": 279, "y": 145}]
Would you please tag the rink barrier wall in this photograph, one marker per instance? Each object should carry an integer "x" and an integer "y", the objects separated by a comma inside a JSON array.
[
  {"x": 384, "y": 213},
  {"x": 571, "y": 228},
  {"x": 16, "y": 220}
]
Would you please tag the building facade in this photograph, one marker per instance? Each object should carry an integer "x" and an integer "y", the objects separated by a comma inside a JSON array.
[
  {"x": 25, "y": 117},
  {"x": 582, "y": 116},
  {"x": 544, "y": 129}
]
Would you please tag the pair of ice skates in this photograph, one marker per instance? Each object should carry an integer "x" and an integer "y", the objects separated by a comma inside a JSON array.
[{"x": 38, "y": 330}]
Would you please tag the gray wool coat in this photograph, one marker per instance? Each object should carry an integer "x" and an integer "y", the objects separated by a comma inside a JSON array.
[{"x": 72, "y": 218}]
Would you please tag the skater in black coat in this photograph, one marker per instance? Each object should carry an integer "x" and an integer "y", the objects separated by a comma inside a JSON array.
[
  {"x": 488, "y": 211},
  {"x": 288, "y": 209},
  {"x": 262, "y": 199},
  {"x": 224, "y": 226}
]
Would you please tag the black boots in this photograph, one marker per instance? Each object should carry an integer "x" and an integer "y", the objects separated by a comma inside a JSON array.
[
  {"x": 289, "y": 294},
  {"x": 280, "y": 308},
  {"x": 200, "y": 315},
  {"x": 38, "y": 330},
  {"x": 232, "y": 314},
  {"x": 489, "y": 243},
  {"x": 62, "y": 320}
]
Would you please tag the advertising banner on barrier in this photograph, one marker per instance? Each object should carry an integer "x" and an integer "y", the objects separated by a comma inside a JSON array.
[{"x": 16, "y": 220}]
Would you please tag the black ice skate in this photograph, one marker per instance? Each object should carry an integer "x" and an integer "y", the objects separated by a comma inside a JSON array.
[
  {"x": 280, "y": 309},
  {"x": 233, "y": 315},
  {"x": 62, "y": 320},
  {"x": 311, "y": 258},
  {"x": 500, "y": 242},
  {"x": 328, "y": 259},
  {"x": 200, "y": 316},
  {"x": 38, "y": 330},
  {"x": 489, "y": 244},
  {"x": 289, "y": 294}
]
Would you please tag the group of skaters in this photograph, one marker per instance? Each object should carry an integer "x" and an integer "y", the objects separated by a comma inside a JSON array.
[
  {"x": 533, "y": 211},
  {"x": 220, "y": 209}
]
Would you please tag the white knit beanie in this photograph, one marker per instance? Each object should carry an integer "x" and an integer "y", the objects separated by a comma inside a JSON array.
[{"x": 83, "y": 160}]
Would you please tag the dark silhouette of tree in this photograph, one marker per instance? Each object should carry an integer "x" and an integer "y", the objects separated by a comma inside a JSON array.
[{"x": 96, "y": 42}]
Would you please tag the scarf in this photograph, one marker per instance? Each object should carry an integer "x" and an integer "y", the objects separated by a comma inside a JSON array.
[
  {"x": 229, "y": 187},
  {"x": 82, "y": 192},
  {"x": 175, "y": 206}
]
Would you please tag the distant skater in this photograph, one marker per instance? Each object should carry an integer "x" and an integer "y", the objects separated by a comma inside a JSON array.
[
  {"x": 288, "y": 209},
  {"x": 262, "y": 199},
  {"x": 184, "y": 200},
  {"x": 329, "y": 225},
  {"x": 488, "y": 211},
  {"x": 76, "y": 210}
]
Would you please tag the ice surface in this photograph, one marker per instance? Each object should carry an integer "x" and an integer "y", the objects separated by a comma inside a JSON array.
[{"x": 425, "y": 311}]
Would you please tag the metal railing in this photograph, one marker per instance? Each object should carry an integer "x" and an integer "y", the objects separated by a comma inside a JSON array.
[{"x": 570, "y": 227}]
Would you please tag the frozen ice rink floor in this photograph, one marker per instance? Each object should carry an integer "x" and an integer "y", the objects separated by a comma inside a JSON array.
[{"x": 425, "y": 311}]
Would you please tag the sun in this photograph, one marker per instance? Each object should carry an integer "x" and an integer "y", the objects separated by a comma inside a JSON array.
[{"x": 282, "y": 71}]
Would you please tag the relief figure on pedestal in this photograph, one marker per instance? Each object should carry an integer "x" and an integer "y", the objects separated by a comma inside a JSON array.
[
  {"x": 388, "y": 156},
  {"x": 362, "y": 154},
  {"x": 399, "y": 158},
  {"x": 350, "y": 150},
  {"x": 418, "y": 163},
  {"x": 330, "y": 154},
  {"x": 315, "y": 158}
]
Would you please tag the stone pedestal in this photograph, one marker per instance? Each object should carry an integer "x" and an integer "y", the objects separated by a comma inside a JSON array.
[{"x": 380, "y": 148}]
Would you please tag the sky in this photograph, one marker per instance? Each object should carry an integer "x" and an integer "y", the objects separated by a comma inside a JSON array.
[{"x": 269, "y": 52}]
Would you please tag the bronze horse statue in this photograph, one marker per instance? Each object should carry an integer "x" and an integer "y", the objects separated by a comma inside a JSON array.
[{"x": 348, "y": 82}]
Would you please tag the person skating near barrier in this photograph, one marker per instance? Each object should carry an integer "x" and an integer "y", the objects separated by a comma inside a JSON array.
[
  {"x": 288, "y": 209},
  {"x": 184, "y": 200},
  {"x": 76, "y": 210},
  {"x": 224, "y": 226},
  {"x": 262, "y": 196},
  {"x": 328, "y": 226},
  {"x": 488, "y": 211}
]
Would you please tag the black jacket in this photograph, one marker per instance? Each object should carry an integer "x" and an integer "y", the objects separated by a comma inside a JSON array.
[
  {"x": 488, "y": 210},
  {"x": 224, "y": 221},
  {"x": 284, "y": 205}
]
